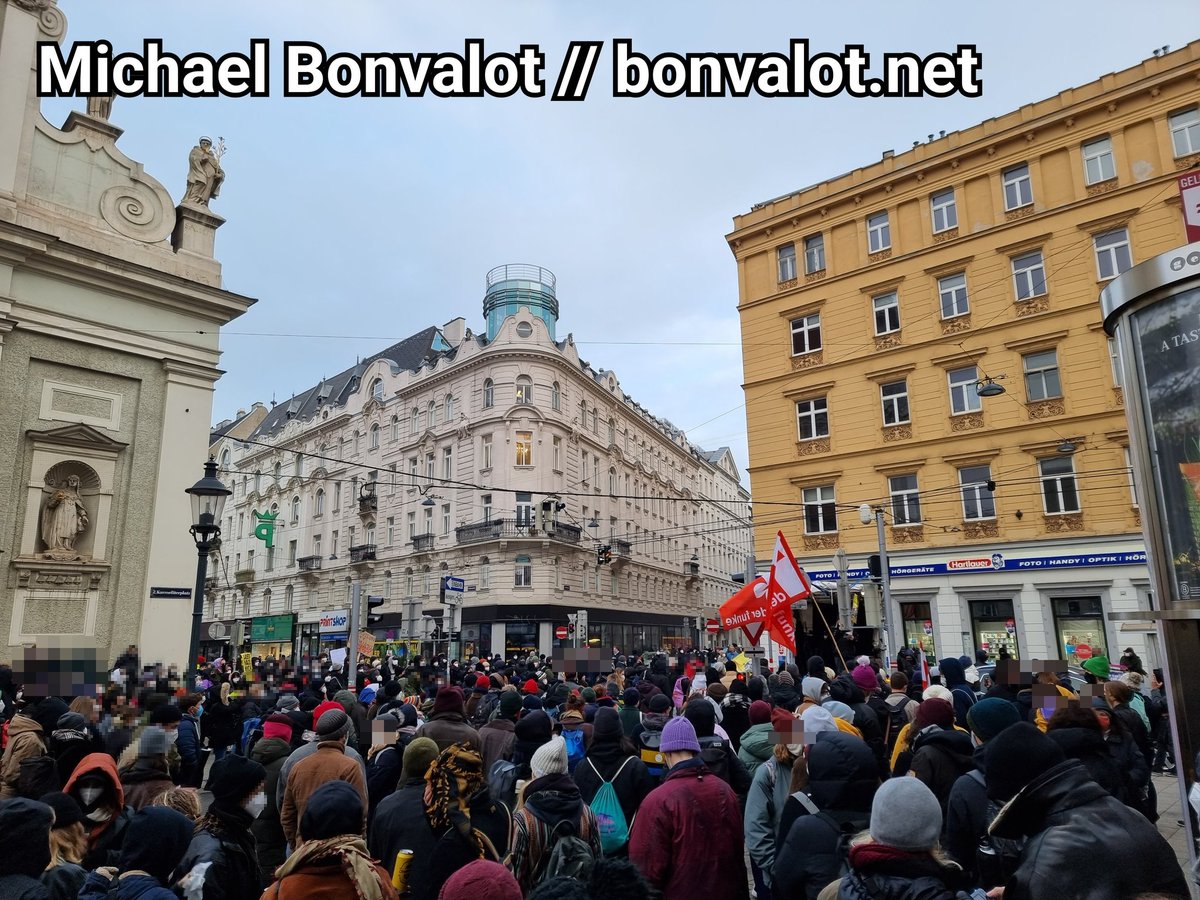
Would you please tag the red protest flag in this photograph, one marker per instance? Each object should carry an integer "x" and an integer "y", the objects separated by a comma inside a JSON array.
[{"x": 787, "y": 584}]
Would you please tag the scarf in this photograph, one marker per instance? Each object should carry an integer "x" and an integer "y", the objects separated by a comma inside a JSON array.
[
  {"x": 351, "y": 852},
  {"x": 452, "y": 779}
]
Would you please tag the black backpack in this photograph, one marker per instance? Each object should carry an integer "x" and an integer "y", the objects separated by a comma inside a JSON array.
[
  {"x": 502, "y": 782},
  {"x": 715, "y": 756},
  {"x": 996, "y": 858},
  {"x": 897, "y": 719},
  {"x": 37, "y": 776}
]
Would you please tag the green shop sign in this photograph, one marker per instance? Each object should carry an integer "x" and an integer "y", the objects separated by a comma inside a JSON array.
[{"x": 270, "y": 629}]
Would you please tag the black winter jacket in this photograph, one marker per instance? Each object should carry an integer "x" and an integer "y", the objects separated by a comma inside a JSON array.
[
  {"x": 268, "y": 832},
  {"x": 1083, "y": 842},
  {"x": 866, "y": 720},
  {"x": 939, "y": 757},
  {"x": 601, "y": 764},
  {"x": 224, "y": 839},
  {"x": 1090, "y": 748},
  {"x": 906, "y": 877},
  {"x": 965, "y": 821}
]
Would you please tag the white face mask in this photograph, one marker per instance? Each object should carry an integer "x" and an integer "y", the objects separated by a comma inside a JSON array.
[
  {"x": 172, "y": 737},
  {"x": 256, "y": 804},
  {"x": 90, "y": 795}
]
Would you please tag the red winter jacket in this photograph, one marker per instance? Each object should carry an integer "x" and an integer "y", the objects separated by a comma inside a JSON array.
[{"x": 687, "y": 836}]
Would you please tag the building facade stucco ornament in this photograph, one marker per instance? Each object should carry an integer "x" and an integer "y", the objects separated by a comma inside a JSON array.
[
  {"x": 64, "y": 518},
  {"x": 205, "y": 175}
]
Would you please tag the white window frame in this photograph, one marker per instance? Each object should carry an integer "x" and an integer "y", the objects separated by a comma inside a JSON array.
[
  {"x": 893, "y": 401},
  {"x": 524, "y": 390},
  {"x": 1133, "y": 494},
  {"x": 445, "y": 518},
  {"x": 318, "y": 508},
  {"x": 906, "y": 501},
  {"x": 943, "y": 210},
  {"x": 523, "y": 572},
  {"x": 377, "y": 390},
  {"x": 1018, "y": 187},
  {"x": 373, "y": 437},
  {"x": 808, "y": 329},
  {"x": 1098, "y": 162},
  {"x": 886, "y": 307},
  {"x": 975, "y": 493},
  {"x": 485, "y": 452},
  {"x": 556, "y": 449},
  {"x": 485, "y": 507},
  {"x": 1114, "y": 254},
  {"x": 879, "y": 232},
  {"x": 448, "y": 463},
  {"x": 814, "y": 254},
  {"x": 953, "y": 296},
  {"x": 449, "y": 407},
  {"x": 555, "y": 396},
  {"x": 963, "y": 386},
  {"x": 1025, "y": 275},
  {"x": 527, "y": 455},
  {"x": 1059, "y": 488},
  {"x": 1114, "y": 360},
  {"x": 822, "y": 502},
  {"x": 391, "y": 530},
  {"x": 1038, "y": 375},
  {"x": 489, "y": 393},
  {"x": 412, "y": 528},
  {"x": 1185, "y": 131},
  {"x": 813, "y": 412},
  {"x": 785, "y": 262}
]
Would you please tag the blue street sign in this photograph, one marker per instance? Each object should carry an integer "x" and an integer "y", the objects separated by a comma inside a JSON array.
[{"x": 455, "y": 584}]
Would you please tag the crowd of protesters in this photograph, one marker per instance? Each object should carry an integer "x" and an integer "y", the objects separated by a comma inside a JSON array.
[{"x": 655, "y": 776}]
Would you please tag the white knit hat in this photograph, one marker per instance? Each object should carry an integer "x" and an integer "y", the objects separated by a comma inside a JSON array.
[{"x": 550, "y": 758}]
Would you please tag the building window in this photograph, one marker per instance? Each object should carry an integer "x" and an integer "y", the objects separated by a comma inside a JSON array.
[
  {"x": 391, "y": 530},
  {"x": 894, "y": 395},
  {"x": 1098, "y": 161},
  {"x": 1018, "y": 189},
  {"x": 412, "y": 527},
  {"x": 814, "y": 254},
  {"x": 485, "y": 455},
  {"x": 524, "y": 448},
  {"x": 445, "y": 518},
  {"x": 1114, "y": 359},
  {"x": 612, "y": 481},
  {"x": 447, "y": 463},
  {"x": 887, "y": 313},
  {"x": 369, "y": 534},
  {"x": 523, "y": 572},
  {"x": 318, "y": 505},
  {"x": 524, "y": 389},
  {"x": 485, "y": 573},
  {"x": 1129, "y": 474},
  {"x": 556, "y": 458},
  {"x": 555, "y": 396},
  {"x": 377, "y": 390},
  {"x": 416, "y": 420},
  {"x": 316, "y": 544},
  {"x": 964, "y": 396},
  {"x": 1058, "y": 485},
  {"x": 391, "y": 479},
  {"x": 820, "y": 511},
  {"x": 295, "y": 510},
  {"x": 428, "y": 520},
  {"x": 1041, "y": 375},
  {"x": 292, "y": 553},
  {"x": 333, "y": 543},
  {"x": 485, "y": 502},
  {"x": 977, "y": 499},
  {"x": 1112, "y": 253},
  {"x": 952, "y": 289},
  {"x": 812, "y": 417},
  {"x": 431, "y": 413},
  {"x": 806, "y": 334},
  {"x": 288, "y": 596},
  {"x": 943, "y": 210},
  {"x": 395, "y": 428},
  {"x": 489, "y": 393},
  {"x": 906, "y": 501},
  {"x": 1185, "y": 131},
  {"x": 449, "y": 407},
  {"x": 525, "y": 509},
  {"x": 612, "y": 433},
  {"x": 430, "y": 468},
  {"x": 879, "y": 232},
  {"x": 1029, "y": 275},
  {"x": 373, "y": 439},
  {"x": 785, "y": 257}
]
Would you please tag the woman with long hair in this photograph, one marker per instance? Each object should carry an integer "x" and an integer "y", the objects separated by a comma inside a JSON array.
[{"x": 65, "y": 875}]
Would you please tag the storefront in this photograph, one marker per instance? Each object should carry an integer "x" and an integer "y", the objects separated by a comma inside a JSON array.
[
  {"x": 333, "y": 630},
  {"x": 217, "y": 639},
  {"x": 520, "y": 639},
  {"x": 918, "y": 628},
  {"x": 271, "y": 636},
  {"x": 533, "y": 632},
  {"x": 1079, "y": 624},
  {"x": 994, "y": 626}
]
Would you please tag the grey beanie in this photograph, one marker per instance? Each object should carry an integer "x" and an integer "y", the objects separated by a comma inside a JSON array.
[
  {"x": 154, "y": 742},
  {"x": 287, "y": 701},
  {"x": 906, "y": 815},
  {"x": 333, "y": 725}
]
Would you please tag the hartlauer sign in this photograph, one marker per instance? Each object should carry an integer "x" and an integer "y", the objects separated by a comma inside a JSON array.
[{"x": 1189, "y": 196}]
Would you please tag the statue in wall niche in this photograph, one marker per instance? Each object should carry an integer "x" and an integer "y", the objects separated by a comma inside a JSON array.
[
  {"x": 100, "y": 107},
  {"x": 64, "y": 519},
  {"x": 205, "y": 174}
]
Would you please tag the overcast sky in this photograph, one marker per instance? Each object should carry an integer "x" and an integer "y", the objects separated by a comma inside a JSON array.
[{"x": 365, "y": 220}]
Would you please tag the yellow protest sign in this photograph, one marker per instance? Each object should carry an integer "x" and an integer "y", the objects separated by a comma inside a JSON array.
[
  {"x": 741, "y": 661},
  {"x": 247, "y": 666}
]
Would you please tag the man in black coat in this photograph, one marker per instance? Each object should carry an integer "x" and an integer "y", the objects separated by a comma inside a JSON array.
[{"x": 1081, "y": 841}]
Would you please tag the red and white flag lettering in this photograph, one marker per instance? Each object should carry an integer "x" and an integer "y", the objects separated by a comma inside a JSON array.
[{"x": 786, "y": 585}]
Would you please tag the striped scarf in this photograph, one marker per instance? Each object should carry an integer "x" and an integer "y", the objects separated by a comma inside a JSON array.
[
  {"x": 351, "y": 852},
  {"x": 453, "y": 778}
]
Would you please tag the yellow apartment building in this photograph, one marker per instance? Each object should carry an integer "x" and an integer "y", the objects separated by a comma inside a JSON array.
[{"x": 882, "y": 312}]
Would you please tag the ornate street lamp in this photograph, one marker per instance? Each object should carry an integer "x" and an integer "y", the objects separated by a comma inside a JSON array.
[{"x": 208, "y": 502}]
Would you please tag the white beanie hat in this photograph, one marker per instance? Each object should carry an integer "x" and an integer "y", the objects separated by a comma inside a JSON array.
[{"x": 550, "y": 758}]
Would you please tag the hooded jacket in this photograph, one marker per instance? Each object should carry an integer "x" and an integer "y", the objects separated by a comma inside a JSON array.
[
  {"x": 866, "y": 720},
  {"x": 1083, "y": 842},
  {"x": 105, "y": 838},
  {"x": 158, "y": 838},
  {"x": 447, "y": 728},
  {"x": 223, "y": 838},
  {"x": 25, "y": 741},
  {"x": 550, "y": 801},
  {"x": 941, "y": 756},
  {"x": 604, "y": 760},
  {"x": 1090, "y": 748},
  {"x": 756, "y": 746},
  {"x": 965, "y": 820},
  {"x": 955, "y": 678},
  {"x": 885, "y": 873},
  {"x": 25, "y": 825},
  {"x": 143, "y": 782},
  {"x": 268, "y": 833}
]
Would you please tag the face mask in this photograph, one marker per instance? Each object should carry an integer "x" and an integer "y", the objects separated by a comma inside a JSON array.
[
  {"x": 256, "y": 804},
  {"x": 172, "y": 737},
  {"x": 199, "y": 711},
  {"x": 90, "y": 795}
]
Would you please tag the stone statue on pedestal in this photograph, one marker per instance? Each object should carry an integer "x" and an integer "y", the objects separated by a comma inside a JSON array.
[
  {"x": 205, "y": 174},
  {"x": 64, "y": 519},
  {"x": 100, "y": 107}
]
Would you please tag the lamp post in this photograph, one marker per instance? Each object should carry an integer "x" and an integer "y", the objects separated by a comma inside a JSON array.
[
  {"x": 865, "y": 515},
  {"x": 208, "y": 502}
]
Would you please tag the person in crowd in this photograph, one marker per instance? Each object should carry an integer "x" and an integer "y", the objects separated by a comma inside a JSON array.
[
  {"x": 482, "y": 879},
  {"x": 901, "y": 709},
  {"x": 96, "y": 787},
  {"x": 1078, "y": 733},
  {"x": 784, "y": 694},
  {"x": 25, "y": 825},
  {"x": 70, "y": 741},
  {"x": 1096, "y": 669},
  {"x": 479, "y": 689},
  {"x": 757, "y": 745},
  {"x": 289, "y": 705},
  {"x": 149, "y": 775},
  {"x": 550, "y": 807},
  {"x": 448, "y": 724},
  {"x": 1160, "y": 731},
  {"x": 842, "y": 779},
  {"x": 184, "y": 800},
  {"x": 898, "y": 858},
  {"x": 1132, "y": 662},
  {"x": 865, "y": 719},
  {"x": 332, "y": 860},
  {"x": 612, "y": 759},
  {"x": 385, "y": 758},
  {"x": 221, "y": 862},
  {"x": 64, "y": 875},
  {"x": 271, "y": 751},
  {"x": 165, "y": 716},
  {"x": 631, "y": 715},
  {"x": 687, "y": 836},
  {"x": 941, "y": 753},
  {"x": 1125, "y": 700},
  {"x": 902, "y": 751},
  {"x": 399, "y": 822},
  {"x": 309, "y": 747},
  {"x": 222, "y": 723},
  {"x": 499, "y": 736},
  {"x": 328, "y": 763},
  {"x": 28, "y": 732},
  {"x": 533, "y": 730},
  {"x": 735, "y": 711},
  {"x": 360, "y": 737},
  {"x": 717, "y": 753},
  {"x": 1080, "y": 841},
  {"x": 191, "y": 756},
  {"x": 1130, "y": 760},
  {"x": 158, "y": 838},
  {"x": 962, "y": 694},
  {"x": 968, "y": 812}
]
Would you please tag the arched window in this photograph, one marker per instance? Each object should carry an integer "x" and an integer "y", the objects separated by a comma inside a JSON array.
[
  {"x": 489, "y": 393},
  {"x": 276, "y": 473},
  {"x": 319, "y": 504},
  {"x": 258, "y": 482},
  {"x": 612, "y": 431},
  {"x": 226, "y": 457},
  {"x": 373, "y": 442},
  {"x": 288, "y": 598},
  {"x": 377, "y": 389},
  {"x": 299, "y": 465},
  {"x": 612, "y": 481},
  {"x": 555, "y": 396},
  {"x": 395, "y": 428},
  {"x": 416, "y": 420},
  {"x": 524, "y": 389},
  {"x": 295, "y": 509},
  {"x": 431, "y": 414},
  {"x": 523, "y": 572},
  {"x": 449, "y": 415},
  {"x": 595, "y": 422}
]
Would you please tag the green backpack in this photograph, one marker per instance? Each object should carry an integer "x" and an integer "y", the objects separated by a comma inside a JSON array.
[{"x": 614, "y": 830}]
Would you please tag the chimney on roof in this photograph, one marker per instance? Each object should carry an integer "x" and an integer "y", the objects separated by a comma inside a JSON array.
[
  {"x": 240, "y": 413},
  {"x": 455, "y": 331},
  {"x": 257, "y": 404},
  {"x": 888, "y": 154}
]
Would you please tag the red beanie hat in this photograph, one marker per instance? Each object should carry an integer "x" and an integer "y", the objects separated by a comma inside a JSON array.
[
  {"x": 530, "y": 687},
  {"x": 782, "y": 720},
  {"x": 760, "y": 712},
  {"x": 448, "y": 699},
  {"x": 277, "y": 725},
  {"x": 934, "y": 712},
  {"x": 482, "y": 683},
  {"x": 323, "y": 708}
]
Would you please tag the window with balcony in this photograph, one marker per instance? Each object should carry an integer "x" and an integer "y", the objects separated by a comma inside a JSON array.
[
  {"x": 806, "y": 334},
  {"x": 1185, "y": 131},
  {"x": 524, "y": 389},
  {"x": 1098, "y": 162},
  {"x": 952, "y": 292},
  {"x": 1113, "y": 255},
  {"x": 316, "y": 545},
  {"x": 814, "y": 254},
  {"x": 524, "y": 509},
  {"x": 1029, "y": 275},
  {"x": 977, "y": 499},
  {"x": 485, "y": 503},
  {"x": 894, "y": 396},
  {"x": 879, "y": 233},
  {"x": 887, "y": 313},
  {"x": 1041, "y": 375},
  {"x": 812, "y": 418},
  {"x": 820, "y": 510},
  {"x": 1059, "y": 494},
  {"x": 906, "y": 500},
  {"x": 964, "y": 396},
  {"x": 1018, "y": 188},
  {"x": 785, "y": 258},
  {"x": 524, "y": 448},
  {"x": 489, "y": 393}
]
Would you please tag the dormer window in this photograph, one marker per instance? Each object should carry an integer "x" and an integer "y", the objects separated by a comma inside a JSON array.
[{"x": 377, "y": 390}]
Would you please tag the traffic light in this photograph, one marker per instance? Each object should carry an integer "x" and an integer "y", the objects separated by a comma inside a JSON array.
[
  {"x": 374, "y": 603},
  {"x": 875, "y": 566},
  {"x": 603, "y": 554},
  {"x": 545, "y": 521},
  {"x": 571, "y": 619}
]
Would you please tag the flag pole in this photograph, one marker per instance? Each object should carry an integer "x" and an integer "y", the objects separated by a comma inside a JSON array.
[{"x": 836, "y": 646}]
